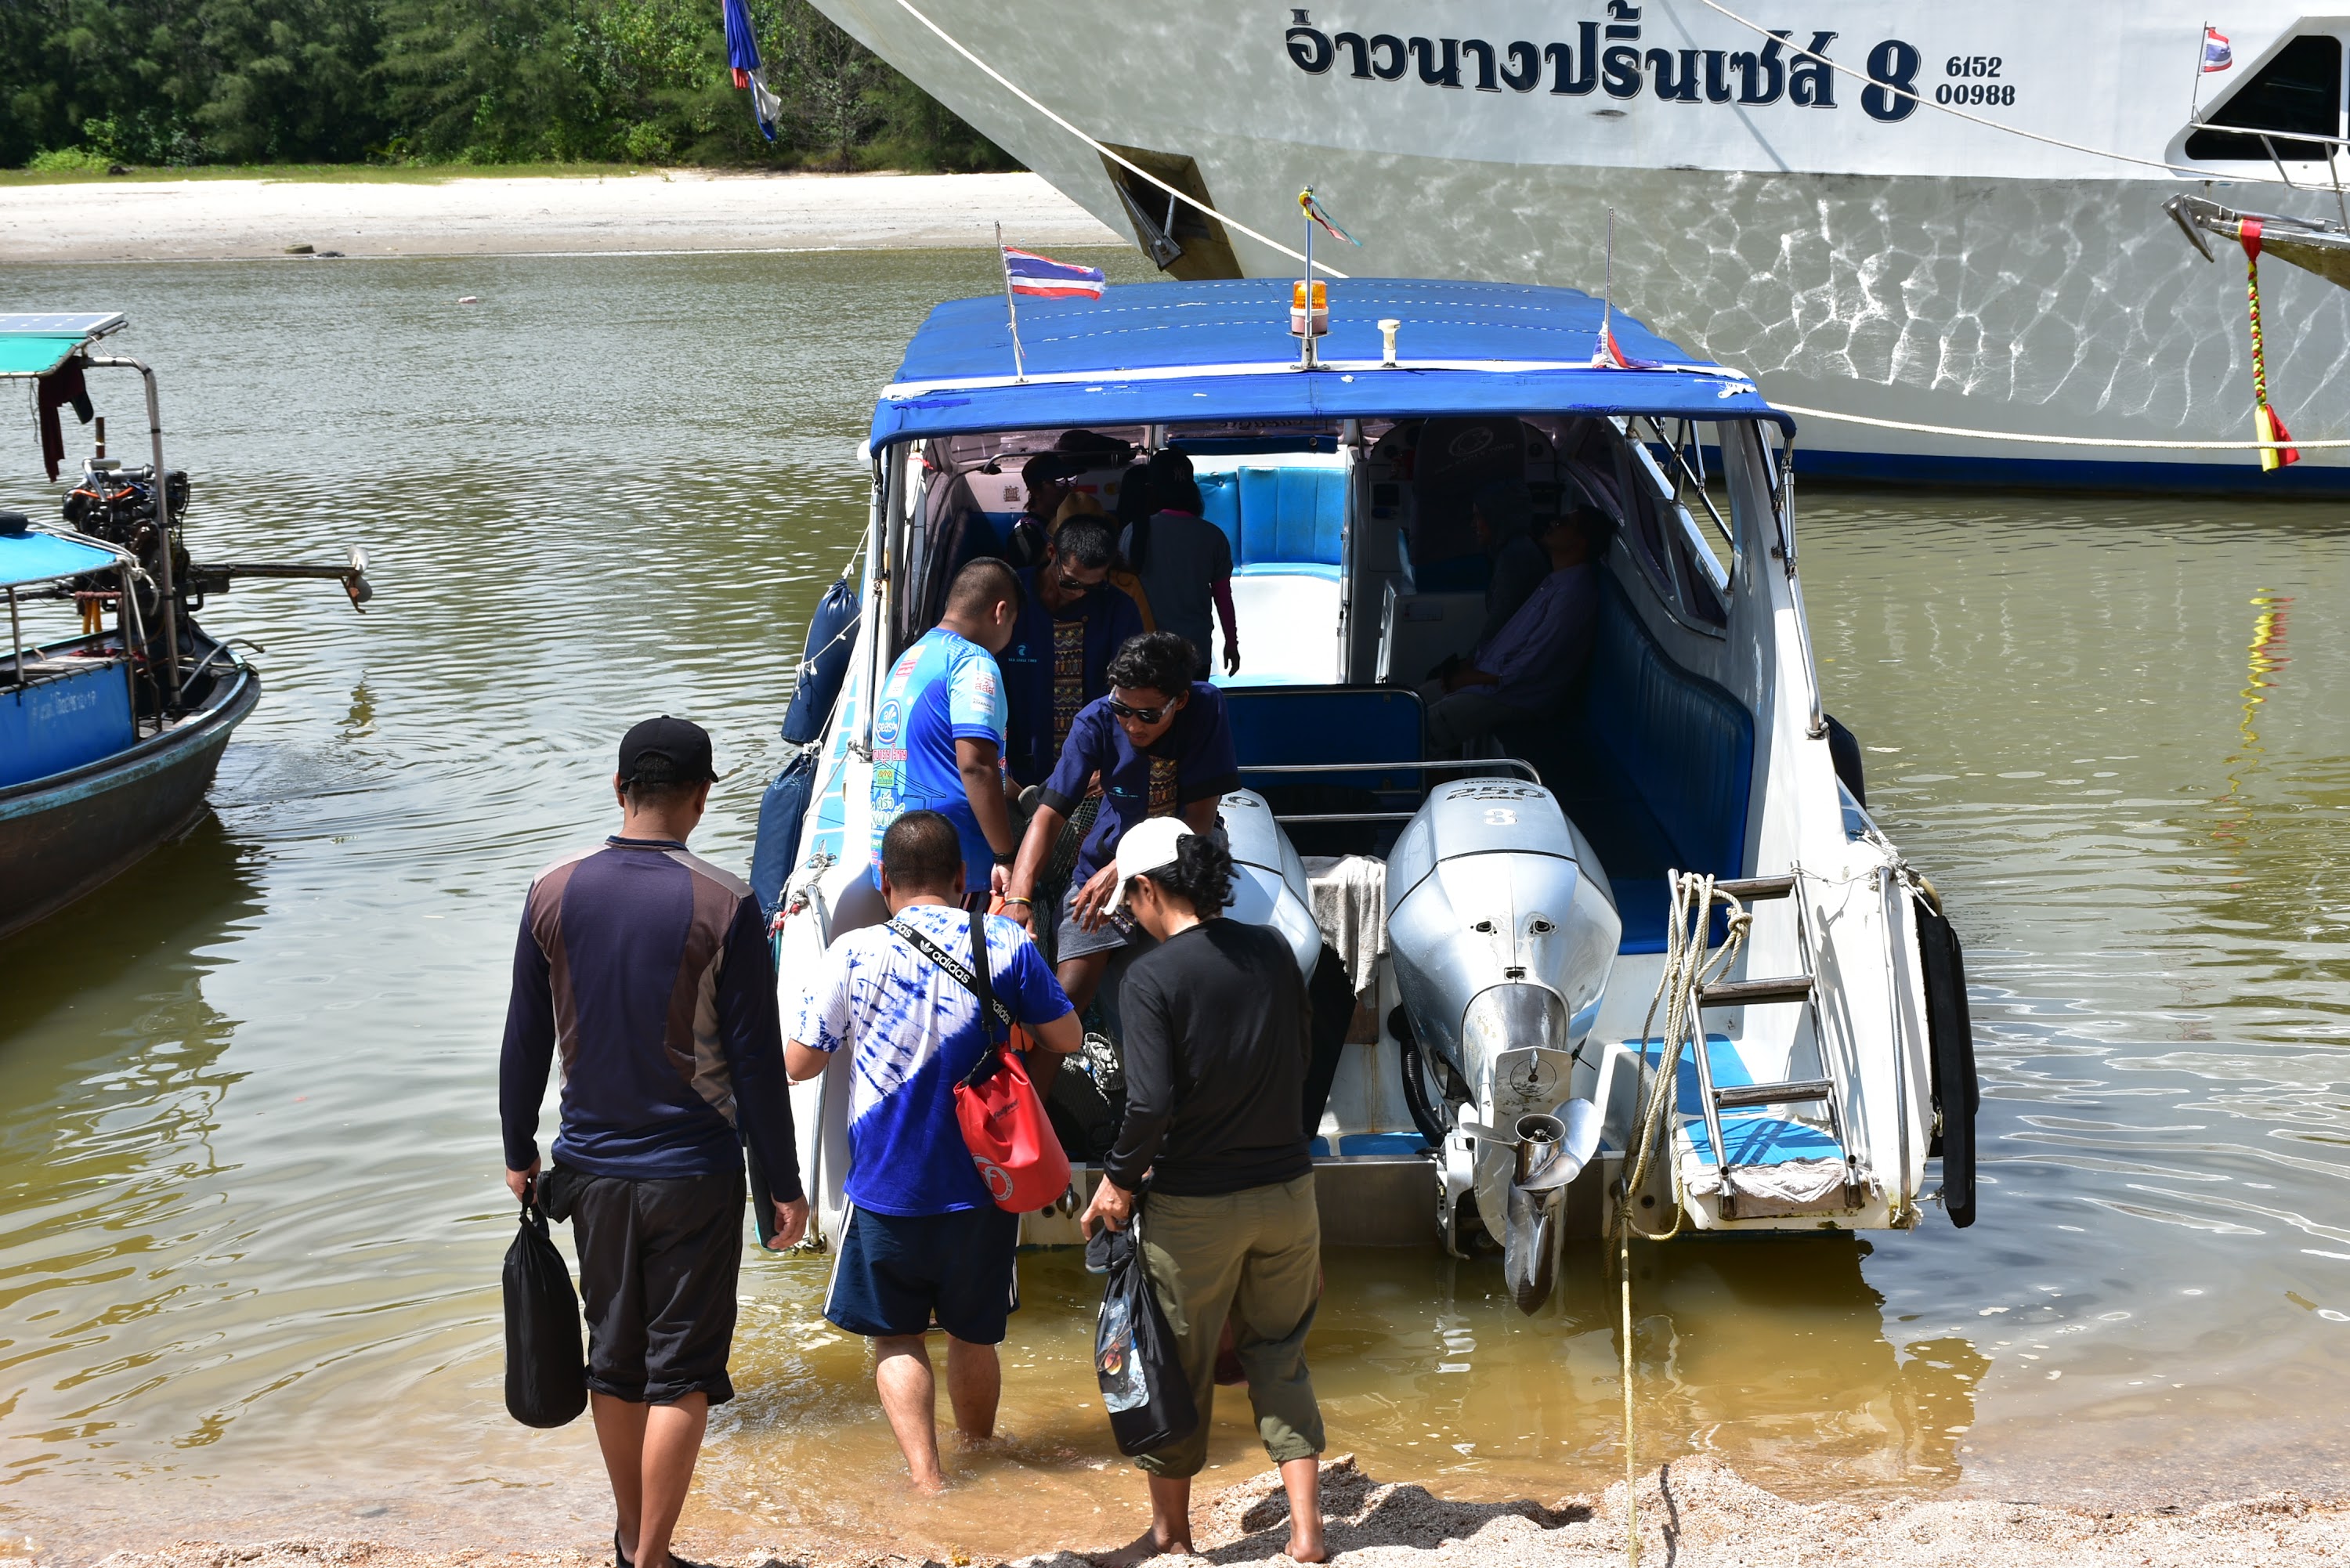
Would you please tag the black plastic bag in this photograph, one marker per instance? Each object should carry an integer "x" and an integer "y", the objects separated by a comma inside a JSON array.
[
  {"x": 1143, "y": 1381},
  {"x": 546, "y": 1377}
]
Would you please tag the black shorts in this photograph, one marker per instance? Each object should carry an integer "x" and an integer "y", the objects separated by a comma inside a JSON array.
[
  {"x": 658, "y": 1265},
  {"x": 896, "y": 1272}
]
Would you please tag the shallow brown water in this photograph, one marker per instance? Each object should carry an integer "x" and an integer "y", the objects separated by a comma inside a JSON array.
[{"x": 250, "y": 1219}]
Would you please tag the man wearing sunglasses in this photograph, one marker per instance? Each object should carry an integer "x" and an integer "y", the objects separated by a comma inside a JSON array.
[
  {"x": 1162, "y": 747},
  {"x": 1071, "y": 620}
]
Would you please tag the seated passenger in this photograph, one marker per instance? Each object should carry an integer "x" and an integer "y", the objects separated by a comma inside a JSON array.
[
  {"x": 1162, "y": 746},
  {"x": 1071, "y": 621},
  {"x": 1080, "y": 504},
  {"x": 1525, "y": 669},
  {"x": 1048, "y": 476},
  {"x": 1504, "y": 514},
  {"x": 1184, "y": 561}
]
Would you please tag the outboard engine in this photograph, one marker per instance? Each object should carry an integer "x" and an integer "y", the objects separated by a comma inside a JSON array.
[
  {"x": 1268, "y": 879},
  {"x": 1503, "y": 930}
]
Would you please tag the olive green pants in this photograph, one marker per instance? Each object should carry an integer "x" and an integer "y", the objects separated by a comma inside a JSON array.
[{"x": 1254, "y": 1256}]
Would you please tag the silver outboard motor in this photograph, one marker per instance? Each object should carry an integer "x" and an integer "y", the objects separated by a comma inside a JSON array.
[{"x": 1503, "y": 930}]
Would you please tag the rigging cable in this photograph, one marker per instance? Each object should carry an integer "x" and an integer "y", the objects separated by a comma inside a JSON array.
[
  {"x": 1979, "y": 119},
  {"x": 2053, "y": 440},
  {"x": 1120, "y": 160}
]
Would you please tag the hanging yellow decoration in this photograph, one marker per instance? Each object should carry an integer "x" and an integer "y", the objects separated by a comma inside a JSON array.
[{"x": 2266, "y": 426}]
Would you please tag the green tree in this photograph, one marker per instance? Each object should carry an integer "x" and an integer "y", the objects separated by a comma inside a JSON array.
[{"x": 290, "y": 80}]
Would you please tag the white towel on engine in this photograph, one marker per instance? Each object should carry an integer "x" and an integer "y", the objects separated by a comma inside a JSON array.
[{"x": 1350, "y": 894}]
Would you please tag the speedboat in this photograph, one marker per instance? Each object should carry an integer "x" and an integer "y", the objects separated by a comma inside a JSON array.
[
  {"x": 1500, "y": 928},
  {"x": 110, "y": 737}
]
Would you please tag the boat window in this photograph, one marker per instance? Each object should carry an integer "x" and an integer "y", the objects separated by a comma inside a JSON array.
[
  {"x": 2297, "y": 93},
  {"x": 1703, "y": 581},
  {"x": 1643, "y": 485}
]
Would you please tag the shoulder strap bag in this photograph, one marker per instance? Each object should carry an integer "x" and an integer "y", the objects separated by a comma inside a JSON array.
[{"x": 1002, "y": 1117}]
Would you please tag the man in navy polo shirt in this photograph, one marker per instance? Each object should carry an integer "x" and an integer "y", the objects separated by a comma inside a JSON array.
[
  {"x": 1071, "y": 620},
  {"x": 1162, "y": 747}
]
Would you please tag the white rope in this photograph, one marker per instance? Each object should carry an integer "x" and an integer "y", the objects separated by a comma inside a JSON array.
[
  {"x": 2055, "y": 440},
  {"x": 1126, "y": 163},
  {"x": 2184, "y": 173},
  {"x": 1686, "y": 973}
]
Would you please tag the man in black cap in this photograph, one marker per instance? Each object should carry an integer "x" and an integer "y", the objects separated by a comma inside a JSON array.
[{"x": 648, "y": 969}]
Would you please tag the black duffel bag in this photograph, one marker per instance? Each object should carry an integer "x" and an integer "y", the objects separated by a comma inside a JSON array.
[
  {"x": 1143, "y": 1381},
  {"x": 546, "y": 1377}
]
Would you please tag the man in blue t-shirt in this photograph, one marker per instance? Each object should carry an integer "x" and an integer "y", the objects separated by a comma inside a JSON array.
[
  {"x": 939, "y": 730},
  {"x": 1162, "y": 747},
  {"x": 1071, "y": 620},
  {"x": 925, "y": 1238}
]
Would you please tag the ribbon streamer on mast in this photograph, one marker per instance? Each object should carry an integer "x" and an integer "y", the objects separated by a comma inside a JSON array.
[{"x": 2265, "y": 423}]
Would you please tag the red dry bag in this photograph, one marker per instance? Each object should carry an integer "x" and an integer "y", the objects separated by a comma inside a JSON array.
[{"x": 1001, "y": 1115}]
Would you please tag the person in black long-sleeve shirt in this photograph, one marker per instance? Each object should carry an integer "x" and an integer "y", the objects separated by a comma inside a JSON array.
[
  {"x": 1216, "y": 1054},
  {"x": 647, "y": 969}
]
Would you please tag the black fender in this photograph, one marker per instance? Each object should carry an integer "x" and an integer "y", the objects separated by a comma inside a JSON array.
[
  {"x": 1950, "y": 1039},
  {"x": 1844, "y": 750}
]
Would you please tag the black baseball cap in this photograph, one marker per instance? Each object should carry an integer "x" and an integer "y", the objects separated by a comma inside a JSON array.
[{"x": 681, "y": 742}]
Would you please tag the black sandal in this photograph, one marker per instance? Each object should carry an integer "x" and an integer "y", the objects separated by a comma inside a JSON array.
[{"x": 621, "y": 1558}]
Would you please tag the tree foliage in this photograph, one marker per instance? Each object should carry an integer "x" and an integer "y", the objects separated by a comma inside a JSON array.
[{"x": 472, "y": 81}]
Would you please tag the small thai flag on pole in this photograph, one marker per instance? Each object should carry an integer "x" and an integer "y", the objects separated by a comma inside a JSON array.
[
  {"x": 2217, "y": 55},
  {"x": 1030, "y": 274},
  {"x": 1608, "y": 354}
]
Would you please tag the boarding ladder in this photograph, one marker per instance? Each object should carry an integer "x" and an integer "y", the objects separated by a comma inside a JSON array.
[{"x": 1827, "y": 1091}]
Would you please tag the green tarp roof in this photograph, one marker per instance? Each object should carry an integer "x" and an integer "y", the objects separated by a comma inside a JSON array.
[
  {"x": 35, "y": 342},
  {"x": 33, "y": 355}
]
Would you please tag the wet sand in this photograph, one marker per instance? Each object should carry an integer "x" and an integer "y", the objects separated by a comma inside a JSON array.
[
  {"x": 1693, "y": 1514},
  {"x": 658, "y": 211}
]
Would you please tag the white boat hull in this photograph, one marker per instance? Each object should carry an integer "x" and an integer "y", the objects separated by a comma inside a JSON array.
[{"x": 1920, "y": 269}]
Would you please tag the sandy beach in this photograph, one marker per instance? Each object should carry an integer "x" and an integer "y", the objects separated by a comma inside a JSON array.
[
  {"x": 1693, "y": 1514},
  {"x": 663, "y": 209}
]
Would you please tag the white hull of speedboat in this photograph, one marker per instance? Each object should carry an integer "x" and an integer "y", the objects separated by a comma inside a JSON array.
[{"x": 1857, "y": 256}]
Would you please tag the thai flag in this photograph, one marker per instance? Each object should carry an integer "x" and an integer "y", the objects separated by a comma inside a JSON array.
[
  {"x": 2217, "y": 55},
  {"x": 1609, "y": 355},
  {"x": 1031, "y": 274}
]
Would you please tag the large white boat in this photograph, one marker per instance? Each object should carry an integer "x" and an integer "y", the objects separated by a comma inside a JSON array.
[{"x": 1799, "y": 188}]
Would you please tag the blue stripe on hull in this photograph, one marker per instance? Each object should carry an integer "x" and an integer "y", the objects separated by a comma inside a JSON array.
[{"x": 2300, "y": 480}]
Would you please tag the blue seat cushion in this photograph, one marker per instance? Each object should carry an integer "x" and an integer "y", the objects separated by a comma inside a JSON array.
[
  {"x": 1292, "y": 514},
  {"x": 1279, "y": 519}
]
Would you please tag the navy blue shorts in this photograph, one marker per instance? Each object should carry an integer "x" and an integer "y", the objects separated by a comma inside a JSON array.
[{"x": 896, "y": 1272}]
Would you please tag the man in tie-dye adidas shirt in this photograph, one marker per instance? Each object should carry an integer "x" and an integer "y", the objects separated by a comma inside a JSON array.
[{"x": 926, "y": 1241}]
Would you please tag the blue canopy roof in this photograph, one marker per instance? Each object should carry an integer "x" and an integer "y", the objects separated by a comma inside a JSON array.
[
  {"x": 39, "y": 557},
  {"x": 1177, "y": 352}
]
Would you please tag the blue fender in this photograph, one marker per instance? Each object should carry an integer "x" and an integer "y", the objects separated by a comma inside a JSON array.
[
  {"x": 824, "y": 664},
  {"x": 781, "y": 811}
]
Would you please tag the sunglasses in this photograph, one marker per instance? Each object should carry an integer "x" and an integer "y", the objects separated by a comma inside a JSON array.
[
  {"x": 1070, "y": 584},
  {"x": 1142, "y": 715}
]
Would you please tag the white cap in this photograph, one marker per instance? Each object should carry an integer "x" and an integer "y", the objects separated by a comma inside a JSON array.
[{"x": 1146, "y": 847}]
